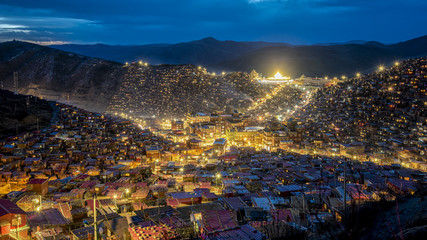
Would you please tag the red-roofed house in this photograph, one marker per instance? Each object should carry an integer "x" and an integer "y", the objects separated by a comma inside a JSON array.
[
  {"x": 13, "y": 221},
  {"x": 218, "y": 220},
  {"x": 39, "y": 186},
  {"x": 282, "y": 215}
]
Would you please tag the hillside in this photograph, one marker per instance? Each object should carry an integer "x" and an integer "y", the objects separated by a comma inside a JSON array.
[
  {"x": 61, "y": 76},
  {"x": 19, "y": 113},
  {"x": 175, "y": 90},
  {"x": 385, "y": 110}
]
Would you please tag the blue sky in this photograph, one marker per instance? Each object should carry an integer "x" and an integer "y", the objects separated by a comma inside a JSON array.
[{"x": 172, "y": 21}]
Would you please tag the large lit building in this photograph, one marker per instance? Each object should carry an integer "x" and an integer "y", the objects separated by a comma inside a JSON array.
[{"x": 276, "y": 79}]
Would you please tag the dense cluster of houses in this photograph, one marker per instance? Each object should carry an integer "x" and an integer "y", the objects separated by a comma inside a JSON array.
[
  {"x": 379, "y": 117},
  {"x": 223, "y": 175},
  {"x": 174, "y": 90},
  {"x": 90, "y": 169}
]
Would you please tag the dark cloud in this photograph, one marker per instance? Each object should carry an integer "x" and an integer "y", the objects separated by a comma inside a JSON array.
[{"x": 138, "y": 21}]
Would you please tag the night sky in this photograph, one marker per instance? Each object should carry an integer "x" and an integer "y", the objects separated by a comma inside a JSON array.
[{"x": 172, "y": 21}]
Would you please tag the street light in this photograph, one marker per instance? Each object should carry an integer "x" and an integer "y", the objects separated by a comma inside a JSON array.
[
  {"x": 358, "y": 75},
  {"x": 115, "y": 200},
  {"x": 396, "y": 63},
  {"x": 38, "y": 201},
  {"x": 127, "y": 192},
  {"x": 218, "y": 176},
  {"x": 380, "y": 69}
]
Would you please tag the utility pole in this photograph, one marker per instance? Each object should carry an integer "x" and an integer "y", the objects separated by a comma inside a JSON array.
[
  {"x": 303, "y": 206},
  {"x": 345, "y": 185},
  {"x": 17, "y": 227},
  {"x": 158, "y": 202},
  {"x": 94, "y": 217},
  {"x": 15, "y": 82}
]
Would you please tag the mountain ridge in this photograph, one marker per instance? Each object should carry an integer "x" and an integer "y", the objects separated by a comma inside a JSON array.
[
  {"x": 192, "y": 52},
  {"x": 230, "y": 55}
]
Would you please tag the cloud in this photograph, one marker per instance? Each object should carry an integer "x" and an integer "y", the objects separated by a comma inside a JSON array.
[
  {"x": 257, "y": 1},
  {"x": 10, "y": 26},
  {"x": 46, "y": 43}
]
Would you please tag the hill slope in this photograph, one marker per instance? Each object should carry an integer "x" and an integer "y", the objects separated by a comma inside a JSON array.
[
  {"x": 384, "y": 110},
  {"x": 174, "y": 90},
  {"x": 19, "y": 113},
  {"x": 57, "y": 75}
]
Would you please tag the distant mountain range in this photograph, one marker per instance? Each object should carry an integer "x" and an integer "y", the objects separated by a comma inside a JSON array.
[
  {"x": 267, "y": 58},
  {"x": 200, "y": 52}
]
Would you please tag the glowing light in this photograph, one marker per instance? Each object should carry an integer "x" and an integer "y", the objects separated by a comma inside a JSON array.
[
  {"x": 380, "y": 68},
  {"x": 218, "y": 175},
  {"x": 396, "y": 63},
  {"x": 140, "y": 62},
  {"x": 357, "y": 74},
  {"x": 277, "y": 78},
  {"x": 115, "y": 196}
]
